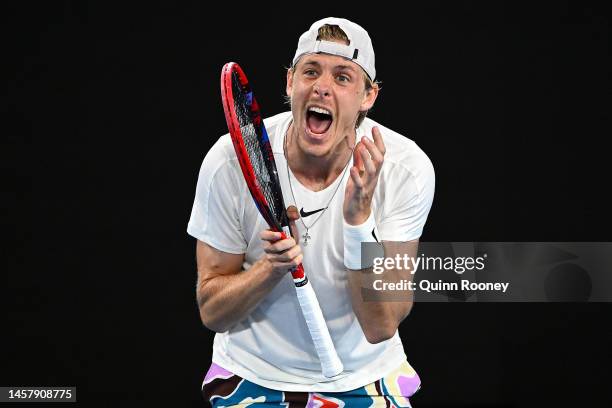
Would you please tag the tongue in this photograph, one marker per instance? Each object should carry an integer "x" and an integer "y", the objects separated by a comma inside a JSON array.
[{"x": 317, "y": 124}]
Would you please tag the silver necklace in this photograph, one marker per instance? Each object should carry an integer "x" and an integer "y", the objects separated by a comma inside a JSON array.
[{"x": 305, "y": 236}]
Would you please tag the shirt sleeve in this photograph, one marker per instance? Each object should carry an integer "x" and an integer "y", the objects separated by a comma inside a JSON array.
[
  {"x": 410, "y": 196},
  {"x": 217, "y": 207}
]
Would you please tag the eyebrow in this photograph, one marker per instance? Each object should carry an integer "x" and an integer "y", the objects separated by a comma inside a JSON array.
[{"x": 346, "y": 67}]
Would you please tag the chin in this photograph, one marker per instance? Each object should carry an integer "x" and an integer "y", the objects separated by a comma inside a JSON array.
[{"x": 317, "y": 145}]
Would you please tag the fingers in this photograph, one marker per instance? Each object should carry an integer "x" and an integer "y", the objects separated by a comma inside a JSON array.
[
  {"x": 273, "y": 243},
  {"x": 378, "y": 140},
  {"x": 293, "y": 215},
  {"x": 356, "y": 177},
  {"x": 377, "y": 148},
  {"x": 283, "y": 254},
  {"x": 374, "y": 151},
  {"x": 279, "y": 255},
  {"x": 270, "y": 236},
  {"x": 284, "y": 267},
  {"x": 367, "y": 161},
  {"x": 289, "y": 254},
  {"x": 357, "y": 160},
  {"x": 366, "y": 157},
  {"x": 294, "y": 231}
]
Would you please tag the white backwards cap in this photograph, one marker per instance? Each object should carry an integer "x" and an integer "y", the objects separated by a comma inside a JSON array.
[{"x": 359, "y": 50}]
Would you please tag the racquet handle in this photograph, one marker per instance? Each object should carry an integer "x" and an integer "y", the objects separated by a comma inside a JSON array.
[
  {"x": 330, "y": 362},
  {"x": 324, "y": 346}
]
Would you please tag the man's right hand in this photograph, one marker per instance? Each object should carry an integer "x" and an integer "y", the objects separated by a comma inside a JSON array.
[
  {"x": 227, "y": 294},
  {"x": 283, "y": 254}
]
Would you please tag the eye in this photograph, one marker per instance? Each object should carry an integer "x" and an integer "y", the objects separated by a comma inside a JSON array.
[
  {"x": 310, "y": 72},
  {"x": 343, "y": 78}
]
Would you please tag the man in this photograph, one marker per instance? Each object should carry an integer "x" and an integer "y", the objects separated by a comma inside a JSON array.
[{"x": 353, "y": 181}]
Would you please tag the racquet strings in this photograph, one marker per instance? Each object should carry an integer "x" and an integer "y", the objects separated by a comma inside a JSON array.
[{"x": 265, "y": 171}]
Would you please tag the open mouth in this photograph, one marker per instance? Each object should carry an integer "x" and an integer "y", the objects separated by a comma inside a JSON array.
[{"x": 318, "y": 120}]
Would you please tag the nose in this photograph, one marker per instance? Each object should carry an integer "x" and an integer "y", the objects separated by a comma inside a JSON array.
[{"x": 322, "y": 86}]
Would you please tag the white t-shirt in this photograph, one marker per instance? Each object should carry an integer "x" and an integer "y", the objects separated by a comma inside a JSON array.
[{"x": 272, "y": 346}]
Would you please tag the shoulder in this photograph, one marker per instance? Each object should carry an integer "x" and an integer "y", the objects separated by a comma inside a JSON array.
[
  {"x": 220, "y": 155},
  {"x": 403, "y": 156},
  {"x": 223, "y": 149},
  {"x": 220, "y": 167},
  {"x": 277, "y": 121}
]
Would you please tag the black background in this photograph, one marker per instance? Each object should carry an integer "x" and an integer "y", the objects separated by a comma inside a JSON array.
[{"x": 116, "y": 106}]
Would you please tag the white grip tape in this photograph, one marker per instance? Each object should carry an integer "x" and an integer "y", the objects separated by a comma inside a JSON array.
[
  {"x": 354, "y": 235},
  {"x": 330, "y": 362}
]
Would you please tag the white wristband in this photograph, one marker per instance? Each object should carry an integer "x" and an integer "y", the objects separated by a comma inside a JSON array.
[{"x": 354, "y": 235}]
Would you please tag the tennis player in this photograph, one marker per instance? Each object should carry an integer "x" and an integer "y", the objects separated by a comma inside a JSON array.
[{"x": 347, "y": 180}]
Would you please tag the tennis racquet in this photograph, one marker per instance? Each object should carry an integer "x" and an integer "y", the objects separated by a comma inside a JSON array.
[{"x": 256, "y": 160}]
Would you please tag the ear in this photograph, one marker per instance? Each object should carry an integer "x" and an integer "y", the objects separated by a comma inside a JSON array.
[
  {"x": 289, "y": 82},
  {"x": 369, "y": 98}
]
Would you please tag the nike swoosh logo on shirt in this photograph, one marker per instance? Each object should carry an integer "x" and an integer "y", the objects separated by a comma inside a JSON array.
[
  {"x": 374, "y": 235},
  {"x": 309, "y": 213}
]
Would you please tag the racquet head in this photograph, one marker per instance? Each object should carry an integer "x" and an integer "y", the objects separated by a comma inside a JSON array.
[{"x": 252, "y": 146}]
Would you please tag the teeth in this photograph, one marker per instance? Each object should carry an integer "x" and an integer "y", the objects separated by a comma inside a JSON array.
[{"x": 319, "y": 110}]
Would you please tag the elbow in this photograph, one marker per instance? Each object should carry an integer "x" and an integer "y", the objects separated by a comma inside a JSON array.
[
  {"x": 385, "y": 328},
  {"x": 209, "y": 319},
  {"x": 211, "y": 323},
  {"x": 216, "y": 328},
  {"x": 377, "y": 335}
]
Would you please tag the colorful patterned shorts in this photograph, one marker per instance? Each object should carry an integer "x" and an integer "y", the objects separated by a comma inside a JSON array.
[{"x": 224, "y": 389}]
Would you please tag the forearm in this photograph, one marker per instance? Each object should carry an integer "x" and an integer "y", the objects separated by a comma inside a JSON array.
[
  {"x": 380, "y": 313},
  {"x": 225, "y": 300}
]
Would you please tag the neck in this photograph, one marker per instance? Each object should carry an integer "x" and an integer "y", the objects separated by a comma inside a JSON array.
[{"x": 318, "y": 172}]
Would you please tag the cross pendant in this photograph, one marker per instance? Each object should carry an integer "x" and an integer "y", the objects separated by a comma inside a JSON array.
[{"x": 306, "y": 237}]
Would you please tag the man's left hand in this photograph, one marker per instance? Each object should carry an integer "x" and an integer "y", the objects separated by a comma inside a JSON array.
[{"x": 368, "y": 159}]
